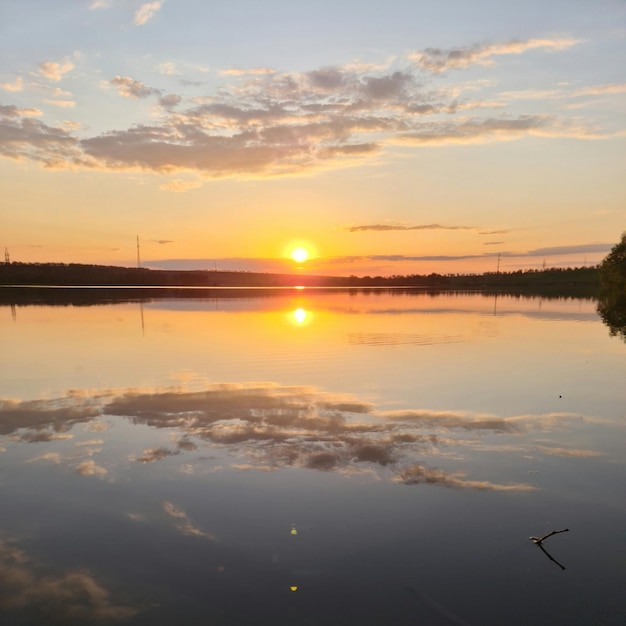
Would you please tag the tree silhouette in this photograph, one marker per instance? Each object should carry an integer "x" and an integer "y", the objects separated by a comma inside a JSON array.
[{"x": 612, "y": 300}]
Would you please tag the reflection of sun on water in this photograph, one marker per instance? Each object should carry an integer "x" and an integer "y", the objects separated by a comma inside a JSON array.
[{"x": 300, "y": 317}]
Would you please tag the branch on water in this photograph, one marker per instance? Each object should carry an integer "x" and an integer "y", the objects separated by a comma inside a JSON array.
[{"x": 538, "y": 540}]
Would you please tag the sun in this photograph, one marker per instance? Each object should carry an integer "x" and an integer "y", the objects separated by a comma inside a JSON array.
[{"x": 300, "y": 254}]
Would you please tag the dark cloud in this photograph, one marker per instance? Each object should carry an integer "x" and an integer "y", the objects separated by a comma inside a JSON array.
[
  {"x": 327, "y": 79},
  {"x": 169, "y": 101},
  {"x": 579, "y": 249},
  {"x": 385, "y": 227},
  {"x": 130, "y": 88}
]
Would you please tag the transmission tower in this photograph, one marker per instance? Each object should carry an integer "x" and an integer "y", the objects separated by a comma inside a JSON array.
[{"x": 7, "y": 258}]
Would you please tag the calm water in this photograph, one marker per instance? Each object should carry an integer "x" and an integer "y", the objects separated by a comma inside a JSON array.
[{"x": 311, "y": 458}]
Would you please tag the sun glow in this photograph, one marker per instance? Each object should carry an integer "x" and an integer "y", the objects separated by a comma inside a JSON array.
[
  {"x": 300, "y": 254},
  {"x": 299, "y": 251}
]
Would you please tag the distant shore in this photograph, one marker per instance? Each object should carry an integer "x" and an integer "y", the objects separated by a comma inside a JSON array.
[{"x": 574, "y": 281}]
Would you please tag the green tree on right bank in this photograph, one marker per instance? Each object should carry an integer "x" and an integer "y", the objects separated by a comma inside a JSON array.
[{"x": 612, "y": 297}]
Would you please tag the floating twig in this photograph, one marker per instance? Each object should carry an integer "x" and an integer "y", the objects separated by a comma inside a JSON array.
[{"x": 538, "y": 540}]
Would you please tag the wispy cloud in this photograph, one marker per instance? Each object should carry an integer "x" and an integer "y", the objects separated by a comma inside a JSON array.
[
  {"x": 440, "y": 59},
  {"x": 16, "y": 85},
  {"x": 65, "y": 104},
  {"x": 179, "y": 185},
  {"x": 251, "y": 71},
  {"x": 146, "y": 12},
  {"x": 386, "y": 227},
  {"x": 130, "y": 88}
]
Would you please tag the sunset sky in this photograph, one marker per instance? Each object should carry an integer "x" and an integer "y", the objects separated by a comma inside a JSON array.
[{"x": 396, "y": 137}]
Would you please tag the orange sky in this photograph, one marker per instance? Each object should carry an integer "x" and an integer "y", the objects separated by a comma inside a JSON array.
[{"x": 477, "y": 132}]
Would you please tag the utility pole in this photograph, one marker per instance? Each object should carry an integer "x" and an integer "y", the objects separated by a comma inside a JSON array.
[
  {"x": 498, "y": 268},
  {"x": 138, "y": 260}
]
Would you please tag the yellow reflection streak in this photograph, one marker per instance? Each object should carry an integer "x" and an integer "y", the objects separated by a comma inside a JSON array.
[{"x": 300, "y": 317}]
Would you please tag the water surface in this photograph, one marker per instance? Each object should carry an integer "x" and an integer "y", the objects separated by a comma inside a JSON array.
[{"x": 311, "y": 457}]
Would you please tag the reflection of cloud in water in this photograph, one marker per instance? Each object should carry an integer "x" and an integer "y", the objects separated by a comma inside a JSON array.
[
  {"x": 183, "y": 523},
  {"x": 420, "y": 475},
  {"x": 89, "y": 468},
  {"x": 397, "y": 339},
  {"x": 53, "y": 457},
  {"x": 71, "y": 598},
  {"x": 272, "y": 426}
]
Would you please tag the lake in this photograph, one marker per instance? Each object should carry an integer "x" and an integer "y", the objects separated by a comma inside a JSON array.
[{"x": 310, "y": 457}]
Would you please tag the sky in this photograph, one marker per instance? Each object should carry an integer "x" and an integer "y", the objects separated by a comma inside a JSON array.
[{"x": 396, "y": 137}]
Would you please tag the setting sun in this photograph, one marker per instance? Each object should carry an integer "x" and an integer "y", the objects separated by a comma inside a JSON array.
[{"x": 299, "y": 254}]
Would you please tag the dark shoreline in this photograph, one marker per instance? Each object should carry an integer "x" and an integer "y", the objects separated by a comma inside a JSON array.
[{"x": 571, "y": 281}]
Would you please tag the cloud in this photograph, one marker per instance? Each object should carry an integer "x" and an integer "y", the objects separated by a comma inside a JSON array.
[
  {"x": 73, "y": 598},
  {"x": 16, "y": 85},
  {"x": 576, "y": 249},
  {"x": 385, "y": 227},
  {"x": 267, "y": 123},
  {"x": 13, "y": 111},
  {"x": 251, "y": 71},
  {"x": 129, "y": 88},
  {"x": 475, "y": 130},
  {"x": 99, "y": 4},
  {"x": 55, "y": 71},
  {"x": 167, "y": 69},
  {"x": 170, "y": 101},
  {"x": 68, "y": 104},
  {"x": 156, "y": 454},
  {"x": 146, "y": 12},
  {"x": 178, "y": 185},
  {"x": 597, "y": 90},
  {"x": 439, "y": 60}
]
